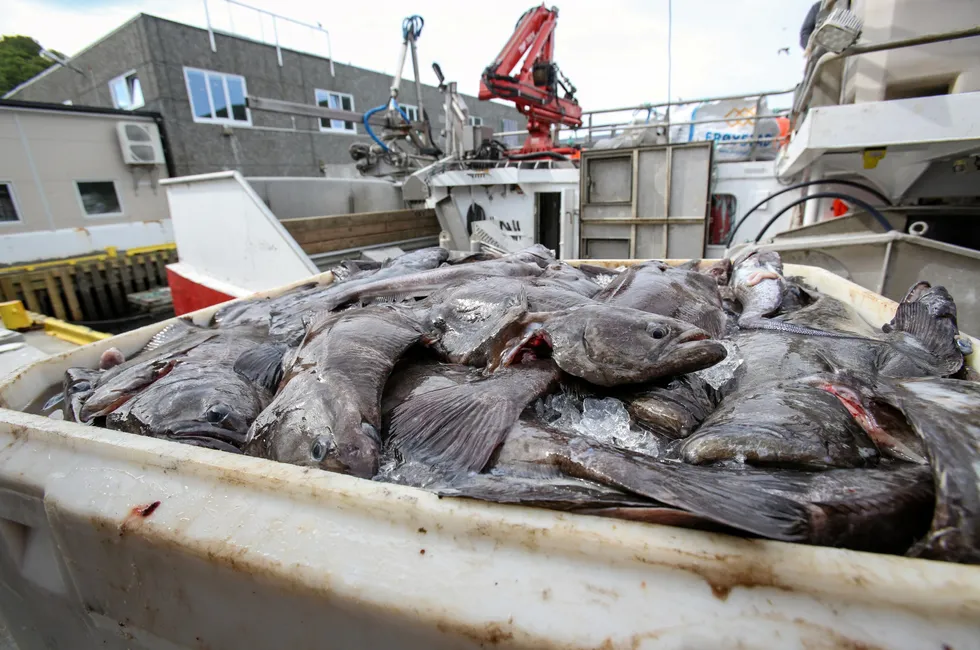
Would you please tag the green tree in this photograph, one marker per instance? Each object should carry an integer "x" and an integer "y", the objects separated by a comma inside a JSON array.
[{"x": 20, "y": 59}]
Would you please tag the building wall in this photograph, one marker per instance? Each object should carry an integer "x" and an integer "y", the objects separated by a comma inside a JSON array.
[
  {"x": 46, "y": 152},
  {"x": 275, "y": 145}
]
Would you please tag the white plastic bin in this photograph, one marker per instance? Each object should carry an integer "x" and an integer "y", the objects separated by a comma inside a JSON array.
[{"x": 247, "y": 553}]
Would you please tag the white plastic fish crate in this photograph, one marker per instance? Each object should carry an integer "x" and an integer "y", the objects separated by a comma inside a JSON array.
[{"x": 111, "y": 540}]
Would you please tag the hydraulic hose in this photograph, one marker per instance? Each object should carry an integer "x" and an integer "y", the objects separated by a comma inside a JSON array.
[
  {"x": 412, "y": 27},
  {"x": 867, "y": 207},
  {"x": 884, "y": 199}
]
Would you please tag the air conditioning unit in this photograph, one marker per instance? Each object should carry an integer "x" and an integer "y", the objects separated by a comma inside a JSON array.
[{"x": 140, "y": 143}]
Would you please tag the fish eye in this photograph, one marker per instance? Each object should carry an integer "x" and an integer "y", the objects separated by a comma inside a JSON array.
[
  {"x": 439, "y": 322},
  {"x": 318, "y": 450},
  {"x": 658, "y": 331},
  {"x": 217, "y": 413}
]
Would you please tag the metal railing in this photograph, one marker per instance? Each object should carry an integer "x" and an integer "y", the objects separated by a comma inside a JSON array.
[
  {"x": 591, "y": 129},
  {"x": 275, "y": 18},
  {"x": 800, "y": 104}
]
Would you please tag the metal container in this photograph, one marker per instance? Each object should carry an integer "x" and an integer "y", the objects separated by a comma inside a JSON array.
[{"x": 111, "y": 540}]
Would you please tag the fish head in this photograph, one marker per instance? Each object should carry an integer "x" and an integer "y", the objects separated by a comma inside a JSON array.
[
  {"x": 194, "y": 402},
  {"x": 306, "y": 426},
  {"x": 609, "y": 345},
  {"x": 78, "y": 385}
]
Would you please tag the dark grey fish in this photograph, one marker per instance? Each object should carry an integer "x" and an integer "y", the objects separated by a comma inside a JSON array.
[
  {"x": 679, "y": 293},
  {"x": 864, "y": 509},
  {"x": 945, "y": 415},
  {"x": 471, "y": 322},
  {"x": 868, "y": 399},
  {"x": 554, "y": 492},
  {"x": 610, "y": 346},
  {"x": 208, "y": 403},
  {"x": 172, "y": 346},
  {"x": 782, "y": 424},
  {"x": 921, "y": 341},
  {"x": 456, "y": 429},
  {"x": 673, "y": 408},
  {"x": 419, "y": 285},
  {"x": 569, "y": 278},
  {"x": 327, "y": 412},
  {"x": 78, "y": 385}
]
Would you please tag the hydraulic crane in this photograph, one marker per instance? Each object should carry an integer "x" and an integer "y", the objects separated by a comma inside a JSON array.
[{"x": 534, "y": 89}]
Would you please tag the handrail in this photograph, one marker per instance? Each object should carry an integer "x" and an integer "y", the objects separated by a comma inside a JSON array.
[{"x": 868, "y": 48}]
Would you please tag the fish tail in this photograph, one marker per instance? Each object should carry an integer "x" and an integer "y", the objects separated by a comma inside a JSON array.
[{"x": 718, "y": 496}]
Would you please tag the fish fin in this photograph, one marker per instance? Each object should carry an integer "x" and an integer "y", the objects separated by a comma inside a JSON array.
[
  {"x": 263, "y": 364},
  {"x": 719, "y": 495},
  {"x": 53, "y": 401},
  {"x": 455, "y": 428},
  {"x": 171, "y": 332},
  {"x": 934, "y": 333},
  {"x": 620, "y": 283}
]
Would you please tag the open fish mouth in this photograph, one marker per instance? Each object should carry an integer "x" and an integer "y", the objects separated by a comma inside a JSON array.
[{"x": 534, "y": 343}]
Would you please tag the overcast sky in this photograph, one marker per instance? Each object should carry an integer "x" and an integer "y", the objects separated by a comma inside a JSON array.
[{"x": 614, "y": 51}]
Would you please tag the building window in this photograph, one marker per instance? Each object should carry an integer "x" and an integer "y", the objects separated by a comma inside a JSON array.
[
  {"x": 217, "y": 98},
  {"x": 99, "y": 198},
  {"x": 411, "y": 111},
  {"x": 476, "y": 120},
  {"x": 127, "y": 93},
  {"x": 8, "y": 204},
  {"x": 341, "y": 101},
  {"x": 508, "y": 126}
]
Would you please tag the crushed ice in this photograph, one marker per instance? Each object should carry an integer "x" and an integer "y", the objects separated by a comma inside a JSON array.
[
  {"x": 723, "y": 372},
  {"x": 604, "y": 420}
]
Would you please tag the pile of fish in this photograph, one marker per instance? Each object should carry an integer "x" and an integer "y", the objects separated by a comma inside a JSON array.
[{"x": 719, "y": 396}]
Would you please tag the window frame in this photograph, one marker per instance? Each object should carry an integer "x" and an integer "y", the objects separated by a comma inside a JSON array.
[
  {"x": 472, "y": 121},
  {"x": 123, "y": 77},
  {"x": 415, "y": 108},
  {"x": 510, "y": 140},
  {"x": 13, "y": 199},
  {"x": 332, "y": 128},
  {"x": 224, "y": 84},
  {"x": 115, "y": 188}
]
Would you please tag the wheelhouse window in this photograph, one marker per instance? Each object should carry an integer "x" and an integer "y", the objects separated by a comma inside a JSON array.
[
  {"x": 8, "y": 204},
  {"x": 127, "y": 93},
  {"x": 339, "y": 101},
  {"x": 217, "y": 97},
  {"x": 476, "y": 120},
  {"x": 99, "y": 198}
]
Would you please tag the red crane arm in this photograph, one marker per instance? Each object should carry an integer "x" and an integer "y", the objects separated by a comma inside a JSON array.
[{"x": 535, "y": 88}]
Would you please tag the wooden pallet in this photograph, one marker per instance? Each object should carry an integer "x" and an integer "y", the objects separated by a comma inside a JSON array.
[
  {"x": 339, "y": 232},
  {"x": 91, "y": 288}
]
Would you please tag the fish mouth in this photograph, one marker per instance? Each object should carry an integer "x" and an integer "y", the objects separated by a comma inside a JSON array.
[
  {"x": 692, "y": 336},
  {"x": 696, "y": 352},
  {"x": 534, "y": 343},
  {"x": 205, "y": 431}
]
